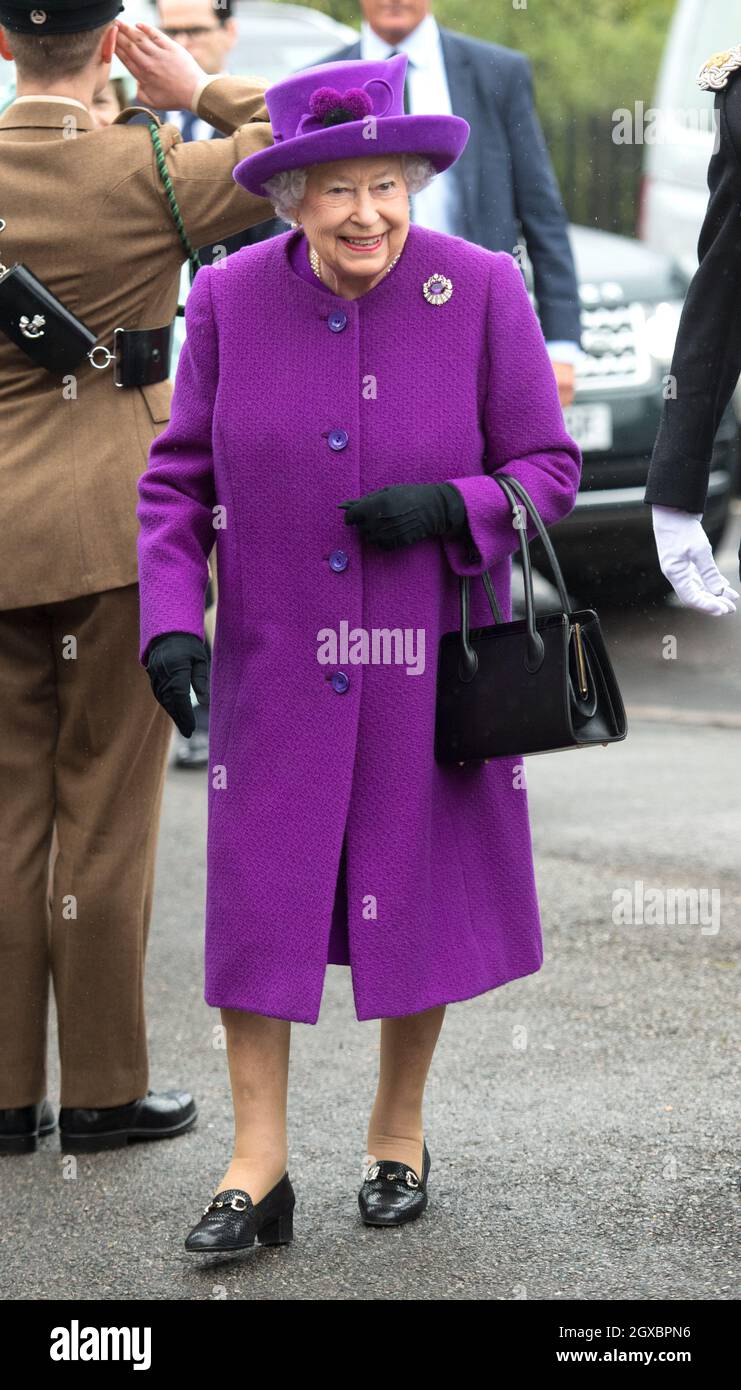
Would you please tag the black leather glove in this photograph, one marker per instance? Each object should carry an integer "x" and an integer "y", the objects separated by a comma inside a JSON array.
[
  {"x": 401, "y": 515},
  {"x": 175, "y": 661}
]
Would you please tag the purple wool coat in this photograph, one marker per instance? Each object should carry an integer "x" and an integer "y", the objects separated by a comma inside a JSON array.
[{"x": 288, "y": 400}]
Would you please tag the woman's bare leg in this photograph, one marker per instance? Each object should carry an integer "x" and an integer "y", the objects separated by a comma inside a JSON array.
[
  {"x": 257, "y": 1051},
  {"x": 395, "y": 1129}
]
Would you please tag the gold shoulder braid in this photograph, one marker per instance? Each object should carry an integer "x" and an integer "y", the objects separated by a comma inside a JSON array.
[{"x": 714, "y": 74}]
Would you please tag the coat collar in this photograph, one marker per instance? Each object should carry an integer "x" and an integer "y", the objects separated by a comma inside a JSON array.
[
  {"x": 419, "y": 259},
  {"x": 40, "y": 113}
]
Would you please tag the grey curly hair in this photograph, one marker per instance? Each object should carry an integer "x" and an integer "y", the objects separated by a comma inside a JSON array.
[{"x": 286, "y": 189}]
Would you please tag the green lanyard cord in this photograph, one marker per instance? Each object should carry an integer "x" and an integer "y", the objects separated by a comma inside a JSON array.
[{"x": 172, "y": 200}]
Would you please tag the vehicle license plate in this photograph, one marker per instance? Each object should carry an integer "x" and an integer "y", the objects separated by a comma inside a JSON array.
[{"x": 589, "y": 425}]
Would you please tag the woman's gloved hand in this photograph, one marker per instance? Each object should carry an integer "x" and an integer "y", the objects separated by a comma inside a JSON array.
[
  {"x": 686, "y": 559},
  {"x": 397, "y": 516},
  {"x": 175, "y": 661}
]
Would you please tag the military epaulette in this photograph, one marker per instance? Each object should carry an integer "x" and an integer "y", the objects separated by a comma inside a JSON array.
[{"x": 714, "y": 74}]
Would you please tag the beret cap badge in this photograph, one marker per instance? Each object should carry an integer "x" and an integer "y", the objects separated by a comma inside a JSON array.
[{"x": 57, "y": 16}]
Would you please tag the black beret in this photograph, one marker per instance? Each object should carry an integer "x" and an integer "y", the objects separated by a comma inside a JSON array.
[{"x": 57, "y": 16}]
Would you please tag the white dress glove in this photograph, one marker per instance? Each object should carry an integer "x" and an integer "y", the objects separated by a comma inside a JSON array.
[{"x": 686, "y": 558}]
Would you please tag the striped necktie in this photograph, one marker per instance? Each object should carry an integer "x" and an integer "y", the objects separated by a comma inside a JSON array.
[{"x": 407, "y": 107}]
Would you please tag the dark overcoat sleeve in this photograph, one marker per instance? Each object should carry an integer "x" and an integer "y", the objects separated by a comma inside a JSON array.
[
  {"x": 707, "y": 356},
  {"x": 541, "y": 211}
]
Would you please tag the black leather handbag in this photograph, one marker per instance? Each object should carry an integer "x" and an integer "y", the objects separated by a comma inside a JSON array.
[{"x": 535, "y": 685}]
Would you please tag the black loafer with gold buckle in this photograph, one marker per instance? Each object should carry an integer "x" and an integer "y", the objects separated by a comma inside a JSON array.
[
  {"x": 231, "y": 1221},
  {"x": 392, "y": 1193}
]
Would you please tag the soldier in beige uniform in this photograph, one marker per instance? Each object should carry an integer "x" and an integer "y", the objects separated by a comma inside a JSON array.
[{"x": 84, "y": 743}]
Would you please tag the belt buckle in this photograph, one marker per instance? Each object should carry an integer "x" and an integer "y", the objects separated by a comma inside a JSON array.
[
  {"x": 117, "y": 357},
  {"x": 146, "y": 346}
]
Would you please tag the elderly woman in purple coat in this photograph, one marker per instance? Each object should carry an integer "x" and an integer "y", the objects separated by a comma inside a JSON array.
[{"x": 344, "y": 391}]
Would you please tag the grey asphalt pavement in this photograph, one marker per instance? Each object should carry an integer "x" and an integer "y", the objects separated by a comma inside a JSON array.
[{"x": 582, "y": 1122}]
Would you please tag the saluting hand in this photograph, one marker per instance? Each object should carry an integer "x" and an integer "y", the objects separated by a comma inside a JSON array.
[
  {"x": 166, "y": 73},
  {"x": 175, "y": 661}
]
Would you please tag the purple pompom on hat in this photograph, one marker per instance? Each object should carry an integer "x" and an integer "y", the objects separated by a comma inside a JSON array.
[
  {"x": 350, "y": 110},
  {"x": 331, "y": 107}
]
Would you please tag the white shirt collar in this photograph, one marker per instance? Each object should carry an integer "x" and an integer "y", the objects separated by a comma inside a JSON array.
[
  {"x": 66, "y": 100},
  {"x": 422, "y": 44}
]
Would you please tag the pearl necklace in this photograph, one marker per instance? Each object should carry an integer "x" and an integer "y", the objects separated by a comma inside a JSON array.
[{"x": 314, "y": 260}]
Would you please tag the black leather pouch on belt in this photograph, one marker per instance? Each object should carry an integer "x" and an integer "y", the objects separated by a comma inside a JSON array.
[
  {"x": 55, "y": 339},
  {"x": 38, "y": 323}
]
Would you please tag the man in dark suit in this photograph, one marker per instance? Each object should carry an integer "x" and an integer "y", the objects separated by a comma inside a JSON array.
[
  {"x": 503, "y": 185},
  {"x": 705, "y": 366}
]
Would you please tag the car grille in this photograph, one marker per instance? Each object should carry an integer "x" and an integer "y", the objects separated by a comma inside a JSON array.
[{"x": 613, "y": 351}]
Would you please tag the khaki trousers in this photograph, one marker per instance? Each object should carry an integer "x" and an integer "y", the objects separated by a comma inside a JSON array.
[{"x": 83, "y": 754}]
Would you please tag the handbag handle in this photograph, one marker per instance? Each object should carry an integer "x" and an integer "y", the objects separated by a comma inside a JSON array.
[
  {"x": 535, "y": 649},
  {"x": 540, "y": 527},
  {"x": 583, "y": 699}
]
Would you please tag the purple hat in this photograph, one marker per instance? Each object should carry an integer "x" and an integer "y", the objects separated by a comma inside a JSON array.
[{"x": 349, "y": 110}]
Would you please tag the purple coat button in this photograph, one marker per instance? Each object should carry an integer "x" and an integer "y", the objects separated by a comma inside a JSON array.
[
  {"x": 338, "y": 439},
  {"x": 337, "y": 321},
  {"x": 338, "y": 561},
  {"x": 340, "y": 682}
]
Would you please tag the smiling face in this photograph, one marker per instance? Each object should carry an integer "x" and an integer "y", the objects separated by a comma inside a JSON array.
[{"x": 355, "y": 213}]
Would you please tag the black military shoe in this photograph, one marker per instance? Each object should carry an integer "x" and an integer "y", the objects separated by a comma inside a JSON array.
[
  {"x": 392, "y": 1192},
  {"x": 21, "y": 1128},
  {"x": 162, "y": 1115},
  {"x": 231, "y": 1221}
]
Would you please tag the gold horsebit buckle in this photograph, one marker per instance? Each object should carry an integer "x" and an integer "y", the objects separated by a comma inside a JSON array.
[
  {"x": 407, "y": 1175},
  {"x": 233, "y": 1204}
]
